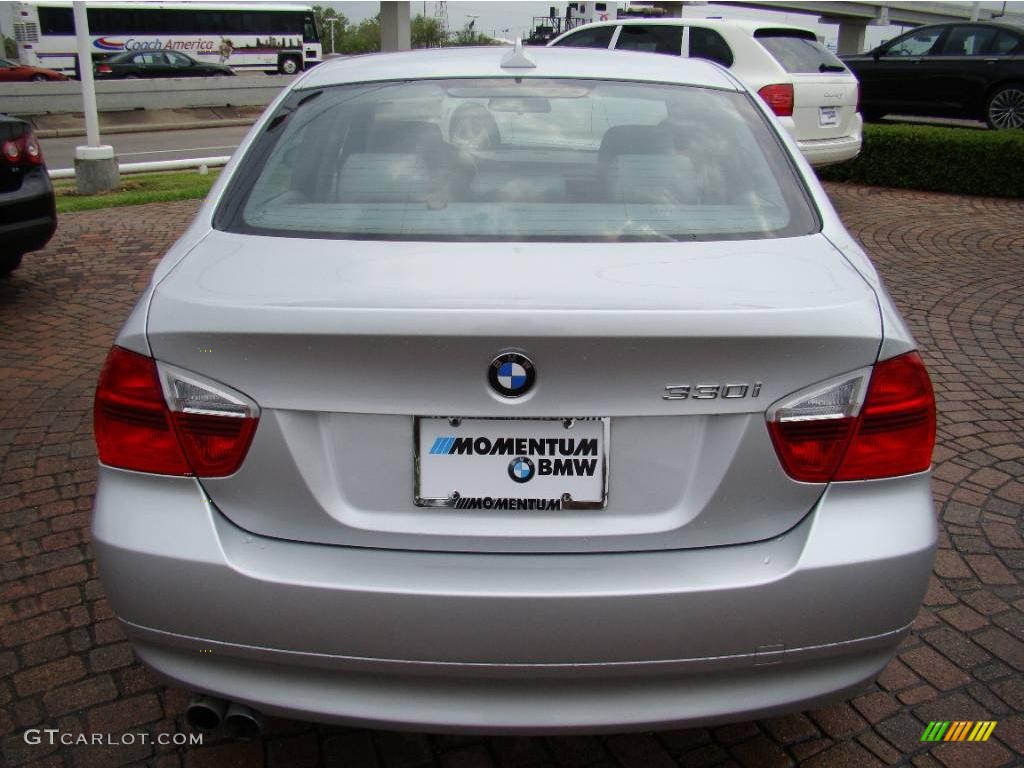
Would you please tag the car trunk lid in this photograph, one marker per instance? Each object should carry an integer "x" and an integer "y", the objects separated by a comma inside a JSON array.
[
  {"x": 344, "y": 344},
  {"x": 824, "y": 106}
]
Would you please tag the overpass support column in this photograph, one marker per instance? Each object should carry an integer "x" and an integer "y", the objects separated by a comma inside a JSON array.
[
  {"x": 395, "y": 34},
  {"x": 852, "y": 34}
]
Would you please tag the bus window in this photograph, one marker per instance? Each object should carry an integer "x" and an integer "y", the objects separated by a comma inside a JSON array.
[
  {"x": 309, "y": 34},
  {"x": 56, "y": 21}
]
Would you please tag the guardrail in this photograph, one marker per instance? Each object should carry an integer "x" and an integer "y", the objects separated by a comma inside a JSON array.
[
  {"x": 163, "y": 93},
  {"x": 153, "y": 166}
]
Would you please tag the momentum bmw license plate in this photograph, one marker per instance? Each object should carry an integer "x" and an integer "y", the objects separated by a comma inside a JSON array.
[{"x": 511, "y": 464}]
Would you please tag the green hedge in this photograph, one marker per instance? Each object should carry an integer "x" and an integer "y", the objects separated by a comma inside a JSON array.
[{"x": 937, "y": 159}]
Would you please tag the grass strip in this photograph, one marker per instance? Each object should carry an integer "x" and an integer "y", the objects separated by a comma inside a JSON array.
[{"x": 137, "y": 189}]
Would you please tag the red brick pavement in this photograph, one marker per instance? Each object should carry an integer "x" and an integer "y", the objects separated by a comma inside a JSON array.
[{"x": 953, "y": 264}]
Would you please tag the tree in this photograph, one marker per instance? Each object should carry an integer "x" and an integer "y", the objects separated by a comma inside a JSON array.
[
  {"x": 332, "y": 26},
  {"x": 10, "y": 47},
  {"x": 469, "y": 36},
  {"x": 363, "y": 38},
  {"x": 426, "y": 32}
]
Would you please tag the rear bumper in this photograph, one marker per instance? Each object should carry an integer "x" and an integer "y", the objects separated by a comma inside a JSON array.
[
  {"x": 824, "y": 152},
  {"x": 28, "y": 217},
  {"x": 515, "y": 643},
  {"x": 539, "y": 699}
]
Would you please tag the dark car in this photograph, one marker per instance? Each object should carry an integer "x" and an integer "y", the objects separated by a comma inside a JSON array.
[
  {"x": 28, "y": 215},
  {"x": 969, "y": 70},
  {"x": 157, "y": 63},
  {"x": 13, "y": 72}
]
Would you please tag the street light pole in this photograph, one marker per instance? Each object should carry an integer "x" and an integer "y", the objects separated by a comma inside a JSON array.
[
  {"x": 332, "y": 21},
  {"x": 95, "y": 164}
]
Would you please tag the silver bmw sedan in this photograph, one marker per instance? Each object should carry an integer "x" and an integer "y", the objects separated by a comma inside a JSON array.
[{"x": 505, "y": 390}]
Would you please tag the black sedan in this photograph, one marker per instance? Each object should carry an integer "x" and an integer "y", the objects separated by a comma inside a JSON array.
[
  {"x": 28, "y": 216},
  {"x": 969, "y": 70},
  {"x": 157, "y": 63}
]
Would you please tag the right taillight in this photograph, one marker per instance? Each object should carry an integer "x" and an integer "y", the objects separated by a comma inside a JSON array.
[
  {"x": 103, "y": 69},
  {"x": 779, "y": 97},
  {"x": 33, "y": 152},
  {"x": 869, "y": 424},
  {"x": 157, "y": 418}
]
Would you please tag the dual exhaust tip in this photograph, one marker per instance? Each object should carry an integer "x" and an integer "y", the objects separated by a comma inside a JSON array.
[{"x": 205, "y": 713}]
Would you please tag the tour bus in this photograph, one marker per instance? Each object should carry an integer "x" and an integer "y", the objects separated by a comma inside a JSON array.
[{"x": 269, "y": 37}]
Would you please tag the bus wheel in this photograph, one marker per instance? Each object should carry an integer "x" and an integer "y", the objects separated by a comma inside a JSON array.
[{"x": 288, "y": 65}]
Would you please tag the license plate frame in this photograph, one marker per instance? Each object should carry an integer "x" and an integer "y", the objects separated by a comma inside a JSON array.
[
  {"x": 591, "y": 490},
  {"x": 828, "y": 117}
]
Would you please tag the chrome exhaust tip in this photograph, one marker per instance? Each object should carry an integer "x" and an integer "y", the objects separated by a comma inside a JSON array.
[
  {"x": 204, "y": 713},
  {"x": 243, "y": 723}
]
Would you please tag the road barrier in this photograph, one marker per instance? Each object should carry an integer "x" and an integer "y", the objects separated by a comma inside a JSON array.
[
  {"x": 164, "y": 93},
  {"x": 153, "y": 166},
  {"x": 184, "y": 125}
]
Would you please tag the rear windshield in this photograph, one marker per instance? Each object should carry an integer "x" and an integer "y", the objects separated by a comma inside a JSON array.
[
  {"x": 798, "y": 51},
  {"x": 517, "y": 159}
]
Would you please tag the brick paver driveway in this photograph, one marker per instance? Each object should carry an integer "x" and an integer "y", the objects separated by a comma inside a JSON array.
[{"x": 954, "y": 265}]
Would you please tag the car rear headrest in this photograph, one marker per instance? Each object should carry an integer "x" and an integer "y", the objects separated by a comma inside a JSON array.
[
  {"x": 403, "y": 136},
  {"x": 634, "y": 140}
]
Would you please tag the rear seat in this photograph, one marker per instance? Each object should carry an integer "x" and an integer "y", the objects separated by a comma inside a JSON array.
[
  {"x": 640, "y": 164},
  {"x": 402, "y": 161},
  {"x": 653, "y": 180},
  {"x": 385, "y": 178},
  {"x": 520, "y": 187}
]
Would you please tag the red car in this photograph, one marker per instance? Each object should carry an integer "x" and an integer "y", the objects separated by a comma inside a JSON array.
[{"x": 13, "y": 72}]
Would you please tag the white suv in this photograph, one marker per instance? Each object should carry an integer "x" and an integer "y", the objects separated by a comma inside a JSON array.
[{"x": 811, "y": 91}]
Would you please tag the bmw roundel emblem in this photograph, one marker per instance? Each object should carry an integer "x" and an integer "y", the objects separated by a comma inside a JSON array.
[
  {"x": 521, "y": 469},
  {"x": 511, "y": 374}
]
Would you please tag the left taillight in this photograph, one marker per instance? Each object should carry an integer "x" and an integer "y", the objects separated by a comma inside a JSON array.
[
  {"x": 157, "y": 418},
  {"x": 780, "y": 97}
]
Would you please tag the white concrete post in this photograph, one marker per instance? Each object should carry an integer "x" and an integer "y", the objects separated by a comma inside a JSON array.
[
  {"x": 95, "y": 164},
  {"x": 395, "y": 32}
]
